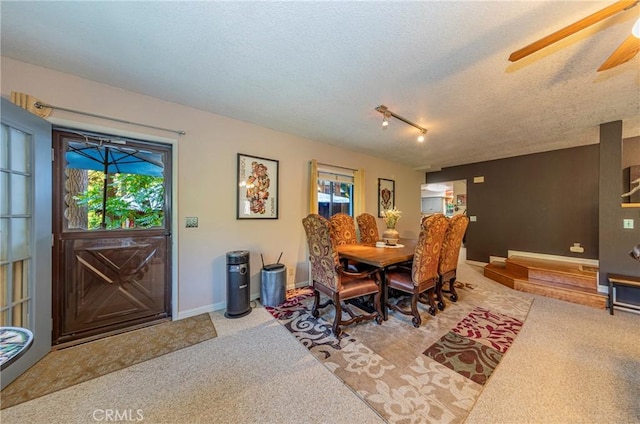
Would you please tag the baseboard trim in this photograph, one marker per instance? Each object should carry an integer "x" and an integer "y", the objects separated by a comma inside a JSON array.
[
  {"x": 476, "y": 263},
  {"x": 223, "y": 305}
]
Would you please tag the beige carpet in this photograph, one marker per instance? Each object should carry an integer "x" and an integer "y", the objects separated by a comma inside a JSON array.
[
  {"x": 568, "y": 364},
  {"x": 67, "y": 367},
  {"x": 434, "y": 373}
]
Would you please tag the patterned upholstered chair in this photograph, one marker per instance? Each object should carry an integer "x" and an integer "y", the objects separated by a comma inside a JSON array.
[
  {"x": 368, "y": 228},
  {"x": 329, "y": 277},
  {"x": 449, "y": 257},
  {"x": 420, "y": 281},
  {"x": 343, "y": 229}
]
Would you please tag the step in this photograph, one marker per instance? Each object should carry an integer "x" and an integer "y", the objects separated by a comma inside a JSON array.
[
  {"x": 498, "y": 272},
  {"x": 573, "y": 274},
  {"x": 566, "y": 292},
  {"x": 505, "y": 275}
]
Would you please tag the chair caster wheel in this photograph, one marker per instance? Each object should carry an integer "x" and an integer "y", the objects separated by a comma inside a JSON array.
[
  {"x": 441, "y": 306},
  {"x": 416, "y": 322},
  {"x": 454, "y": 297},
  {"x": 379, "y": 319},
  {"x": 432, "y": 311}
]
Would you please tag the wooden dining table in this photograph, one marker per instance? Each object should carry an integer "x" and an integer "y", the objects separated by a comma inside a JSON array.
[{"x": 381, "y": 258}]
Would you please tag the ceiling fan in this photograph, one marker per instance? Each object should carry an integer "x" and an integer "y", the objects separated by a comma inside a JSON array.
[{"x": 625, "y": 52}]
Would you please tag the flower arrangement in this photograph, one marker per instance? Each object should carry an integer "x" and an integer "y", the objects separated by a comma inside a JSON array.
[{"x": 391, "y": 217}]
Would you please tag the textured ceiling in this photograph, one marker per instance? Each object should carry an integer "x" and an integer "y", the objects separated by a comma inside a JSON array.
[{"x": 318, "y": 69}]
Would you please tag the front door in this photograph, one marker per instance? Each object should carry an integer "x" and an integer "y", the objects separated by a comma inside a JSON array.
[
  {"x": 112, "y": 250},
  {"x": 25, "y": 232}
]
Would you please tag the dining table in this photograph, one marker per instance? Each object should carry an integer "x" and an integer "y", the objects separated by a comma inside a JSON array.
[{"x": 382, "y": 258}]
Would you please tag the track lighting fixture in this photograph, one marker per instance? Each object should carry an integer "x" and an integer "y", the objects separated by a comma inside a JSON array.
[
  {"x": 421, "y": 136},
  {"x": 386, "y": 113}
]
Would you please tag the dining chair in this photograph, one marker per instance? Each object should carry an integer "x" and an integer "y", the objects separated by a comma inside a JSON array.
[
  {"x": 368, "y": 228},
  {"x": 449, "y": 256},
  {"x": 331, "y": 279},
  {"x": 420, "y": 280},
  {"x": 343, "y": 231}
]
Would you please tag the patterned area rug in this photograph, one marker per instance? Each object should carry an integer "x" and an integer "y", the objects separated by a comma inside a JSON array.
[
  {"x": 66, "y": 367},
  {"x": 431, "y": 374}
]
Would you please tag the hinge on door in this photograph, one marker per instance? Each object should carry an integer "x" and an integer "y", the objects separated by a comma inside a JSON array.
[
  {"x": 53, "y": 237},
  {"x": 52, "y": 155}
]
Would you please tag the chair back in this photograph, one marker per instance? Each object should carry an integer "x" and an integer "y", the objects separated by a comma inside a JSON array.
[
  {"x": 452, "y": 243},
  {"x": 343, "y": 229},
  {"x": 427, "y": 254},
  {"x": 322, "y": 255},
  {"x": 368, "y": 228}
]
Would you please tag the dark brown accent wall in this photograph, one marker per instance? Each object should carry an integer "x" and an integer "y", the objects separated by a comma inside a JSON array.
[
  {"x": 539, "y": 203},
  {"x": 547, "y": 201}
]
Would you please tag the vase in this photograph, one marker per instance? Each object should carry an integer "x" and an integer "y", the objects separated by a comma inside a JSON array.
[{"x": 390, "y": 236}]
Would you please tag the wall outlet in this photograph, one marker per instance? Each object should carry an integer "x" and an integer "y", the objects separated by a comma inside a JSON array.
[
  {"x": 576, "y": 248},
  {"x": 191, "y": 222},
  {"x": 627, "y": 224}
]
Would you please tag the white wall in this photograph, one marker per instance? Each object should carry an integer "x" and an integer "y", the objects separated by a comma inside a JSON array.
[{"x": 206, "y": 178}]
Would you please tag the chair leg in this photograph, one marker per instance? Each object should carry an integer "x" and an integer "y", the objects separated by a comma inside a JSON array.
[
  {"x": 338, "y": 318},
  {"x": 432, "y": 303},
  {"x": 441, "y": 303},
  {"x": 316, "y": 302},
  {"x": 452, "y": 290},
  {"x": 417, "y": 319},
  {"x": 378, "y": 305}
]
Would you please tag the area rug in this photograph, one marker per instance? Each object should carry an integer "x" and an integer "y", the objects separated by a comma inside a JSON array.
[
  {"x": 66, "y": 367},
  {"x": 431, "y": 374}
]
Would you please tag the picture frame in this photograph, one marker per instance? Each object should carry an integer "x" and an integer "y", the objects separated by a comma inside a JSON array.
[
  {"x": 386, "y": 195},
  {"x": 257, "y": 189},
  {"x": 461, "y": 200}
]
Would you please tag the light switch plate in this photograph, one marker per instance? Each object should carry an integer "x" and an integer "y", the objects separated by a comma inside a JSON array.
[
  {"x": 473, "y": 218},
  {"x": 627, "y": 224}
]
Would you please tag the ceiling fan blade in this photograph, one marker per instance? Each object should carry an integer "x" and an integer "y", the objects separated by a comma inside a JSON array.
[
  {"x": 624, "y": 53},
  {"x": 617, "y": 7}
]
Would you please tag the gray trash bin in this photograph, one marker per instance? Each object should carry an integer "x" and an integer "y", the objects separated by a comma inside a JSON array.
[
  {"x": 238, "y": 284},
  {"x": 273, "y": 284}
]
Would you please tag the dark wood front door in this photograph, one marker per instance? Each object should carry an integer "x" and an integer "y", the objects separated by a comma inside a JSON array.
[{"x": 112, "y": 238}]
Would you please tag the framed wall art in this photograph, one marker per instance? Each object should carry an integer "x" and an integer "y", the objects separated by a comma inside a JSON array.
[
  {"x": 257, "y": 196},
  {"x": 386, "y": 195}
]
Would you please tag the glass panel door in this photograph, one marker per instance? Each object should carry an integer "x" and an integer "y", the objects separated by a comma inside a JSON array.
[{"x": 25, "y": 232}]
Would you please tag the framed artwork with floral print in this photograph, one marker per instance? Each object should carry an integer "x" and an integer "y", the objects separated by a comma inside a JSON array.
[
  {"x": 386, "y": 195},
  {"x": 257, "y": 196}
]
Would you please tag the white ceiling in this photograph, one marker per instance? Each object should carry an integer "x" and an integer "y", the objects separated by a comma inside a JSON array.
[{"x": 318, "y": 69}]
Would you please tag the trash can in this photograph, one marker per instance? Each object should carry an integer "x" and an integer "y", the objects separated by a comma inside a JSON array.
[
  {"x": 273, "y": 284},
  {"x": 237, "y": 284}
]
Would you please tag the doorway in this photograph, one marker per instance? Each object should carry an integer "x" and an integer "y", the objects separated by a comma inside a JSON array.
[
  {"x": 448, "y": 198},
  {"x": 112, "y": 235}
]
